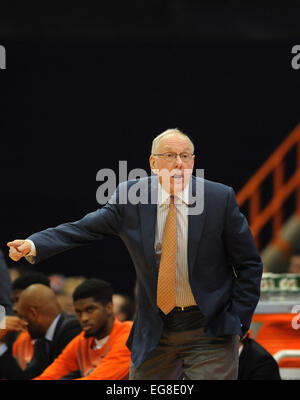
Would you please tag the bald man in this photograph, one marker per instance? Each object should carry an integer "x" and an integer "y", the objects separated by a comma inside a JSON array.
[{"x": 51, "y": 328}]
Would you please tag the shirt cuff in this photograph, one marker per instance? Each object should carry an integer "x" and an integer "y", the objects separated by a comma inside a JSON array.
[
  {"x": 32, "y": 250},
  {"x": 30, "y": 257},
  {"x": 3, "y": 349}
]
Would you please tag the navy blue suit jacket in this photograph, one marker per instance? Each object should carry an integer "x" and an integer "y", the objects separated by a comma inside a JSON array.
[
  {"x": 224, "y": 266},
  {"x": 5, "y": 286}
]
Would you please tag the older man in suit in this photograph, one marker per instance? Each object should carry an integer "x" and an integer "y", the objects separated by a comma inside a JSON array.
[{"x": 198, "y": 273}]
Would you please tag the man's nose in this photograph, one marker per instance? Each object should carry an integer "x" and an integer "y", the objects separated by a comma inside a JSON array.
[
  {"x": 178, "y": 160},
  {"x": 84, "y": 317}
]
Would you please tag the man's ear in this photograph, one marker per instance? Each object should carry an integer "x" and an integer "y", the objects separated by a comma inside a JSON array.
[
  {"x": 33, "y": 312},
  {"x": 109, "y": 308},
  {"x": 152, "y": 162}
]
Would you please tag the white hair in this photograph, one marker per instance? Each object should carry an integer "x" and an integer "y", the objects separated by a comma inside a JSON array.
[{"x": 171, "y": 131}]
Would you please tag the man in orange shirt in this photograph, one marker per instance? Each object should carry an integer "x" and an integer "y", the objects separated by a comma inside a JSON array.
[{"x": 100, "y": 350}]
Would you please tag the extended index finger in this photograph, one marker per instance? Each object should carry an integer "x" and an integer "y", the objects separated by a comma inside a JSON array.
[{"x": 15, "y": 243}]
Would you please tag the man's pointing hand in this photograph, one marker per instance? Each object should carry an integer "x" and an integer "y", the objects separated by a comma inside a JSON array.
[{"x": 18, "y": 249}]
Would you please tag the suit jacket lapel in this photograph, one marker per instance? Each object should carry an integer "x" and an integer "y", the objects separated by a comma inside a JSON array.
[
  {"x": 195, "y": 221},
  {"x": 53, "y": 342},
  {"x": 148, "y": 214}
]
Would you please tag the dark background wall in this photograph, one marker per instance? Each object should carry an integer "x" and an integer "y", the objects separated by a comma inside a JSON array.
[{"x": 87, "y": 87}]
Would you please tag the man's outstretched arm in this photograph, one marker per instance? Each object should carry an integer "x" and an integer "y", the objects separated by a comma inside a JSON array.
[{"x": 49, "y": 242}]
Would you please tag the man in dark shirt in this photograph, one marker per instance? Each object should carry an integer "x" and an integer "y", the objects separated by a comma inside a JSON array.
[
  {"x": 46, "y": 323},
  {"x": 255, "y": 362}
]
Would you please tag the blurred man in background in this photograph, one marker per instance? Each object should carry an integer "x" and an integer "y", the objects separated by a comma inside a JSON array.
[
  {"x": 123, "y": 307},
  {"x": 39, "y": 313},
  {"x": 255, "y": 362},
  {"x": 99, "y": 351},
  {"x": 294, "y": 262},
  {"x": 23, "y": 346}
]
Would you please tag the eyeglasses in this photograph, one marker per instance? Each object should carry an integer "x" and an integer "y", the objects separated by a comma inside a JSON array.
[{"x": 172, "y": 156}]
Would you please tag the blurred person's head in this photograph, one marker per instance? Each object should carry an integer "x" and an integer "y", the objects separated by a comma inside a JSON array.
[
  {"x": 23, "y": 281},
  {"x": 14, "y": 273},
  {"x": 123, "y": 307},
  {"x": 38, "y": 306},
  {"x": 117, "y": 300},
  {"x": 294, "y": 262},
  {"x": 56, "y": 282},
  {"x": 65, "y": 298},
  {"x": 17, "y": 270},
  {"x": 93, "y": 307}
]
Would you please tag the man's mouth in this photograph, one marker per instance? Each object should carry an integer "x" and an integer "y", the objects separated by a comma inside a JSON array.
[
  {"x": 177, "y": 176},
  {"x": 86, "y": 328}
]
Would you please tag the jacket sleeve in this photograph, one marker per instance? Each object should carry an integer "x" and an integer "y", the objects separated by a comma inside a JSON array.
[
  {"x": 5, "y": 286},
  {"x": 71, "y": 329},
  {"x": 65, "y": 363},
  {"x": 244, "y": 258},
  {"x": 9, "y": 367},
  {"x": 94, "y": 226},
  {"x": 115, "y": 365}
]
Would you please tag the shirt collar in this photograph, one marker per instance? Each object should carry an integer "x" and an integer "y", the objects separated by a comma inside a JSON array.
[
  {"x": 50, "y": 332},
  {"x": 241, "y": 349},
  {"x": 100, "y": 342},
  {"x": 180, "y": 197}
]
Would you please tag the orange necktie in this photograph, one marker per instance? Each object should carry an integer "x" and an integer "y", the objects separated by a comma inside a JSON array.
[{"x": 167, "y": 267}]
